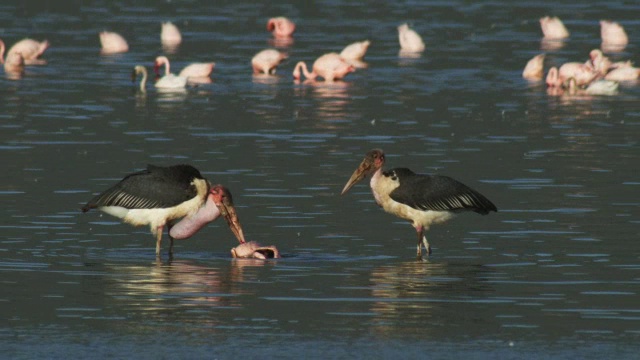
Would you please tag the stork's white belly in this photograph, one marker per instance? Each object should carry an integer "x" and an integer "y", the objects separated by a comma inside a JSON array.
[
  {"x": 422, "y": 218},
  {"x": 155, "y": 218},
  {"x": 382, "y": 186}
]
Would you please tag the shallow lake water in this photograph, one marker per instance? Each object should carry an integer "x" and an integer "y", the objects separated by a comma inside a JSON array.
[{"x": 554, "y": 274}]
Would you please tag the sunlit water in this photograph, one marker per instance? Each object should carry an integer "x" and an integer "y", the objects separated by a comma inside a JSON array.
[{"x": 554, "y": 273}]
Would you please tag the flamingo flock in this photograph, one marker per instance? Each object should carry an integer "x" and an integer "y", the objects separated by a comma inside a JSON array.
[
  {"x": 334, "y": 66},
  {"x": 598, "y": 75}
]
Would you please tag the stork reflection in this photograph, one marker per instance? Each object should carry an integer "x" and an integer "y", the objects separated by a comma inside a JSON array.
[
  {"x": 412, "y": 294},
  {"x": 174, "y": 288}
]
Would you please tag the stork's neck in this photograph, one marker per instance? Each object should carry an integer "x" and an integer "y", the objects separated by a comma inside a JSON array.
[{"x": 375, "y": 178}]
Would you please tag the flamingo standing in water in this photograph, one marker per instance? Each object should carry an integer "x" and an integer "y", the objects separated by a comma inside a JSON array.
[
  {"x": 113, "y": 43},
  {"x": 354, "y": 53},
  {"x": 14, "y": 64},
  {"x": 582, "y": 73},
  {"x": 266, "y": 61},
  {"x": 193, "y": 70},
  {"x": 599, "y": 62},
  {"x": 553, "y": 28},
  {"x": 329, "y": 66},
  {"x": 534, "y": 68},
  {"x": 281, "y": 27},
  {"x": 598, "y": 87},
  {"x": 614, "y": 38},
  {"x": 410, "y": 41},
  {"x": 170, "y": 35},
  {"x": 167, "y": 82},
  {"x": 30, "y": 50},
  {"x": 623, "y": 73}
]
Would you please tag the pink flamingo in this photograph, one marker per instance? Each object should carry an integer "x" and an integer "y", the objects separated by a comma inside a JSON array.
[
  {"x": 583, "y": 74},
  {"x": 599, "y": 62},
  {"x": 410, "y": 41},
  {"x": 356, "y": 50},
  {"x": 281, "y": 27},
  {"x": 613, "y": 34},
  {"x": 623, "y": 73},
  {"x": 534, "y": 68},
  {"x": 266, "y": 61},
  {"x": 113, "y": 43},
  {"x": 30, "y": 50},
  {"x": 14, "y": 63},
  {"x": 193, "y": 70},
  {"x": 353, "y": 53},
  {"x": 598, "y": 87},
  {"x": 170, "y": 35},
  {"x": 553, "y": 28},
  {"x": 252, "y": 249},
  {"x": 329, "y": 66}
]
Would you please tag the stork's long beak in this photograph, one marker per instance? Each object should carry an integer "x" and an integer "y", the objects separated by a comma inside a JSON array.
[
  {"x": 360, "y": 173},
  {"x": 229, "y": 212}
]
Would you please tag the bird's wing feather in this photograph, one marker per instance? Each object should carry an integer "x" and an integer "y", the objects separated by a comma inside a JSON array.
[
  {"x": 438, "y": 193},
  {"x": 155, "y": 187}
]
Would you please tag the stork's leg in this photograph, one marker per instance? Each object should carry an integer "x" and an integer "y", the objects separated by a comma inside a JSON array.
[
  {"x": 169, "y": 226},
  {"x": 158, "y": 240},
  {"x": 426, "y": 244},
  {"x": 419, "y": 230}
]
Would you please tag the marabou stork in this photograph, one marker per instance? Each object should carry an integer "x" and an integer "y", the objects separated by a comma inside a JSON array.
[
  {"x": 421, "y": 199},
  {"x": 175, "y": 196}
]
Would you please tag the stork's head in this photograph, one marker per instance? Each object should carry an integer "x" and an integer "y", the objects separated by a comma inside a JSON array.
[
  {"x": 223, "y": 200},
  {"x": 373, "y": 160}
]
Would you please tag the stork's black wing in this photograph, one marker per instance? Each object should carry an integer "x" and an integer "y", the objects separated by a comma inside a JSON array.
[
  {"x": 155, "y": 187},
  {"x": 436, "y": 192}
]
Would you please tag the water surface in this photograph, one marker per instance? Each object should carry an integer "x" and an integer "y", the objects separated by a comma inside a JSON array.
[{"x": 553, "y": 274}]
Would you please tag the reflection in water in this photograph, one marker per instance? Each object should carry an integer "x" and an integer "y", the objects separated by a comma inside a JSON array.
[
  {"x": 413, "y": 293},
  {"x": 266, "y": 79},
  {"x": 170, "y": 96},
  {"x": 281, "y": 42},
  {"x": 609, "y": 47},
  {"x": 13, "y": 75},
  {"x": 175, "y": 285},
  {"x": 409, "y": 54},
  {"x": 170, "y": 49},
  {"x": 332, "y": 98},
  {"x": 162, "y": 286},
  {"x": 551, "y": 44}
]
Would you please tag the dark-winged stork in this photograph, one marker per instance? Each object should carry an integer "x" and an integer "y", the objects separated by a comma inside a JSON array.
[
  {"x": 175, "y": 196},
  {"x": 421, "y": 199}
]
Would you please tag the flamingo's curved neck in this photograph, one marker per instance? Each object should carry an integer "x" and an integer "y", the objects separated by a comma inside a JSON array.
[
  {"x": 191, "y": 224},
  {"x": 143, "y": 82},
  {"x": 552, "y": 77},
  {"x": 302, "y": 66},
  {"x": 167, "y": 70},
  {"x": 163, "y": 60}
]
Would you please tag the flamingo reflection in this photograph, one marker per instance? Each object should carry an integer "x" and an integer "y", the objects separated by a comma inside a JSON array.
[{"x": 332, "y": 98}]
